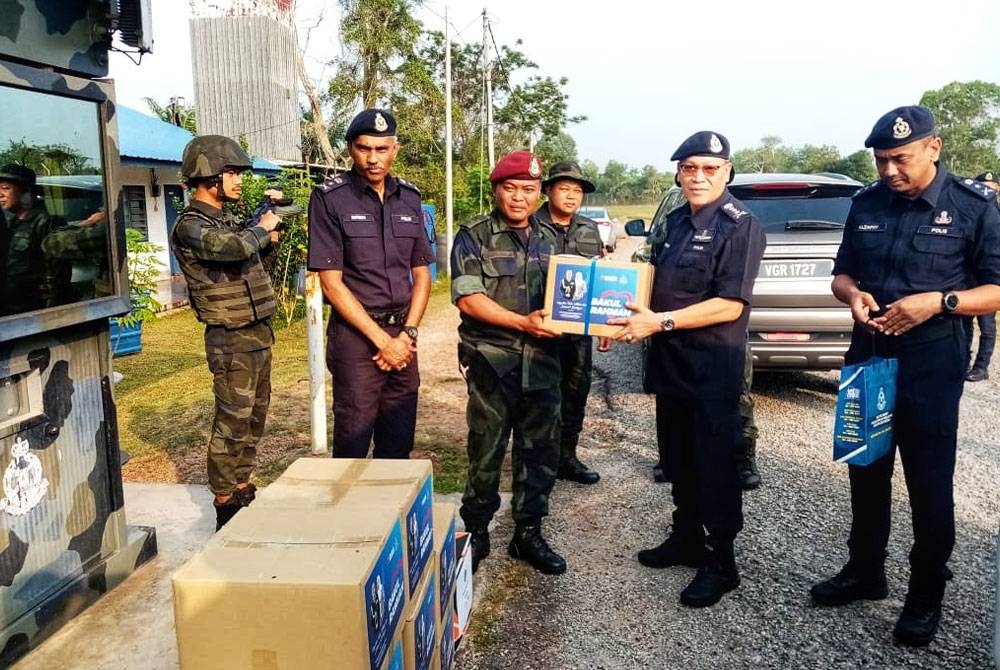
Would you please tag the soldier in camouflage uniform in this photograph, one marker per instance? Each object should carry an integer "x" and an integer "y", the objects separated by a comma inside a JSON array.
[
  {"x": 511, "y": 364},
  {"x": 29, "y": 281},
  {"x": 579, "y": 236},
  {"x": 231, "y": 294}
]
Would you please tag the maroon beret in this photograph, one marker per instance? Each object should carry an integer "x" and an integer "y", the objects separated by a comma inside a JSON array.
[{"x": 517, "y": 165}]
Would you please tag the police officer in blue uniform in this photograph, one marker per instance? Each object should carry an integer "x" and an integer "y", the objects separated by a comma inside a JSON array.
[
  {"x": 366, "y": 239},
  {"x": 921, "y": 248},
  {"x": 697, "y": 322},
  {"x": 980, "y": 365}
]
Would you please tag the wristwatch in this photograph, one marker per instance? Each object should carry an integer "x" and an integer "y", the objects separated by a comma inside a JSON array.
[
  {"x": 667, "y": 321},
  {"x": 949, "y": 302},
  {"x": 411, "y": 332}
]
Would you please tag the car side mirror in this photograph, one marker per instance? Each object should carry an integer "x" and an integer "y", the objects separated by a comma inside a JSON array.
[{"x": 636, "y": 228}]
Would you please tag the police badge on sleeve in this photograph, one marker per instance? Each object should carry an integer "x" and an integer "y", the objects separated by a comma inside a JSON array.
[{"x": 24, "y": 484}]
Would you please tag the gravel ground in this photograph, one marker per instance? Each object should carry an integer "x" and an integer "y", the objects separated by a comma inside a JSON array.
[{"x": 608, "y": 611}]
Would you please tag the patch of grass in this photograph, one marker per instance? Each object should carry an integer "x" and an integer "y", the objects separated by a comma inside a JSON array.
[
  {"x": 626, "y": 213},
  {"x": 484, "y": 628},
  {"x": 451, "y": 463}
]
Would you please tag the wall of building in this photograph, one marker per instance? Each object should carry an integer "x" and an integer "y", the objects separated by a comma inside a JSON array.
[{"x": 152, "y": 216}]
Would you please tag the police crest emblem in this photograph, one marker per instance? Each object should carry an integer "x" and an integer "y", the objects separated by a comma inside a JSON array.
[
  {"x": 380, "y": 123},
  {"x": 23, "y": 482},
  {"x": 943, "y": 217},
  {"x": 901, "y": 129},
  {"x": 534, "y": 169},
  {"x": 715, "y": 144}
]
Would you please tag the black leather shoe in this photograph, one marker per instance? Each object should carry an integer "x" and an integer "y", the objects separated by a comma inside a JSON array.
[
  {"x": 571, "y": 469},
  {"x": 977, "y": 375},
  {"x": 224, "y": 512},
  {"x": 917, "y": 624},
  {"x": 715, "y": 578},
  {"x": 849, "y": 585},
  {"x": 660, "y": 476},
  {"x": 675, "y": 551},
  {"x": 480, "y": 542},
  {"x": 529, "y": 545}
]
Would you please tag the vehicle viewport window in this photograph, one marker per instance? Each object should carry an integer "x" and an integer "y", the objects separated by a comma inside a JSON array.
[{"x": 54, "y": 238}]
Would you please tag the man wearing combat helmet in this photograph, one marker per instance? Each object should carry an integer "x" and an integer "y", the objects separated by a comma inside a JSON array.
[{"x": 231, "y": 294}]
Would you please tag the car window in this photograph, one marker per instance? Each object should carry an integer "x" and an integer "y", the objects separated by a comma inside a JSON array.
[{"x": 776, "y": 208}]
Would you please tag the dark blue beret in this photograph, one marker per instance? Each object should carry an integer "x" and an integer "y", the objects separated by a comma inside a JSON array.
[
  {"x": 373, "y": 122},
  {"x": 703, "y": 143},
  {"x": 901, "y": 126},
  {"x": 989, "y": 176}
]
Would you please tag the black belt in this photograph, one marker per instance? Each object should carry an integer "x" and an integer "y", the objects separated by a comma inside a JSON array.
[{"x": 392, "y": 317}]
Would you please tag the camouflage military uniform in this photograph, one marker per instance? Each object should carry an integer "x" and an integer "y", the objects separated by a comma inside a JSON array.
[
  {"x": 30, "y": 281},
  {"x": 513, "y": 378},
  {"x": 580, "y": 238},
  {"x": 231, "y": 293}
]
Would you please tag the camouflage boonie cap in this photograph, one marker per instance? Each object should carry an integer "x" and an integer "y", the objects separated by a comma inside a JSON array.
[
  {"x": 209, "y": 155},
  {"x": 568, "y": 170},
  {"x": 17, "y": 174}
]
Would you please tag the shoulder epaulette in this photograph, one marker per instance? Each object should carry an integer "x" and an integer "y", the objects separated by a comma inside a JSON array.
[
  {"x": 734, "y": 212},
  {"x": 867, "y": 189},
  {"x": 404, "y": 183},
  {"x": 475, "y": 222},
  {"x": 331, "y": 184},
  {"x": 977, "y": 187}
]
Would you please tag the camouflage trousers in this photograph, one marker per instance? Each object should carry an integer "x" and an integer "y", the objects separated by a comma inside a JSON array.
[
  {"x": 242, "y": 388},
  {"x": 498, "y": 407},
  {"x": 750, "y": 431},
  {"x": 576, "y": 358}
]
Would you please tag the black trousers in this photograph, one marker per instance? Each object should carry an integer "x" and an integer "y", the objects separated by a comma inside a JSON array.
[
  {"x": 576, "y": 360},
  {"x": 704, "y": 438},
  {"x": 925, "y": 426},
  {"x": 369, "y": 404}
]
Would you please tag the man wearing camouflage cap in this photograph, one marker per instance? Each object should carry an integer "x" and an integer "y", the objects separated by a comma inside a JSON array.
[
  {"x": 921, "y": 249},
  {"x": 28, "y": 280},
  {"x": 231, "y": 294},
  {"x": 579, "y": 236},
  {"x": 366, "y": 240},
  {"x": 510, "y": 361},
  {"x": 979, "y": 368}
]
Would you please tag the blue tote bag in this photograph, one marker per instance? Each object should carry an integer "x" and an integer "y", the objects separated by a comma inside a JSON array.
[{"x": 862, "y": 432}]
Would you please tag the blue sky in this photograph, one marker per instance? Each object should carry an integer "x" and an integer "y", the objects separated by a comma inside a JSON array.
[{"x": 648, "y": 74}]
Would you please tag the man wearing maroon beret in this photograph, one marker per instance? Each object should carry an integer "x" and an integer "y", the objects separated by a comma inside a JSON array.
[{"x": 510, "y": 361}]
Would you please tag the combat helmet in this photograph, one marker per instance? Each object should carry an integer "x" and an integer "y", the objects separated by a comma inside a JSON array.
[{"x": 207, "y": 156}]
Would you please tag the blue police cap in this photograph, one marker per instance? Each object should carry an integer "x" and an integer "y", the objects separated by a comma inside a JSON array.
[
  {"x": 901, "y": 126},
  {"x": 373, "y": 122},
  {"x": 989, "y": 175},
  {"x": 703, "y": 143}
]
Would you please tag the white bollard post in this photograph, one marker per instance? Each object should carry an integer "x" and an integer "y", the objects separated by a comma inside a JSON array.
[{"x": 317, "y": 366}]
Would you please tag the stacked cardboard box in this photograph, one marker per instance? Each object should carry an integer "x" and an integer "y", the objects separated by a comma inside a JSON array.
[{"x": 332, "y": 566}]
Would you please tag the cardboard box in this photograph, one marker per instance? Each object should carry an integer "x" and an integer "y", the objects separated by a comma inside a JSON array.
[
  {"x": 293, "y": 588},
  {"x": 404, "y": 485},
  {"x": 463, "y": 585},
  {"x": 395, "y": 659},
  {"x": 581, "y": 294},
  {"x": 444, "y": 554},
  {"x": 444, "y": 652},
  {"x": 421, "y": 625}
]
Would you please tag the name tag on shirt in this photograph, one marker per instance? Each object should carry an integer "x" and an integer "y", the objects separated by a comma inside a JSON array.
[
  {"x": 360, "y": 217},
  {"x": 870, "y": 227},
  {"x": 945, "y": 231}
]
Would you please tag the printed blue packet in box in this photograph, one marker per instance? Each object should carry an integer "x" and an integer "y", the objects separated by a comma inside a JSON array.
[
  {"x": 582, "y": 294},
  {"x": 862, "y": 431}
]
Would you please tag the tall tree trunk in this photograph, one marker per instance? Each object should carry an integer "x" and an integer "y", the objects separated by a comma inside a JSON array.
[{"x": 318, "y": 124}]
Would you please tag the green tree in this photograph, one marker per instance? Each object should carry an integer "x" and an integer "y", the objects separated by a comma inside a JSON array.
[
  {"x": 175, "y": 112},
  {"x": 968, "y": 121},
  {"x": 556, "y": 148},
  {"x": 858, "y": 165},
  {"x": 48, "y": 159}
]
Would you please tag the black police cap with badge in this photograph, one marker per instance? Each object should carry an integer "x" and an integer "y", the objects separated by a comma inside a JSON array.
[
  {"x": 371, "y": 122},
  {"x": 989, "y": 176},
  {"x": 901, "y": 126},
  {"x": 703, "y": 143}
]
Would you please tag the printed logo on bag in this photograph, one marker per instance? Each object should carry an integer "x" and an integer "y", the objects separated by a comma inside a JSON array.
[
  {"x": 880, "y": 401},
  {"x": 23, "y": 481}
]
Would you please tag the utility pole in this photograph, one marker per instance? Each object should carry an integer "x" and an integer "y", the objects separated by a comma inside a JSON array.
[
  {"x": 448, "y": 185},
  {"x": 488, "y": 76}
]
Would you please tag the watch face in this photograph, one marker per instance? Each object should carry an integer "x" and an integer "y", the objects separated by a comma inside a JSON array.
[{"x": 951, "y": 302}]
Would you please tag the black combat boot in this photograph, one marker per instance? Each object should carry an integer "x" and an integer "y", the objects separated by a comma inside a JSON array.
[
  {"x": 246, "y": 494},
  {"x": 749, "y": 475},
  {"x": 479, "y": 538},
  {"x": 853, "y": 582},
  {"x": 918, "y": 622},
  {"x": 529, "y": 545},
  {"x": 716, "y": 577},
  {"x": 226, "y": 511},
  {"x": 571, "y": 469},
  {"x": 678, "y": 549},
  {"x": 661, "y": 475}
]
